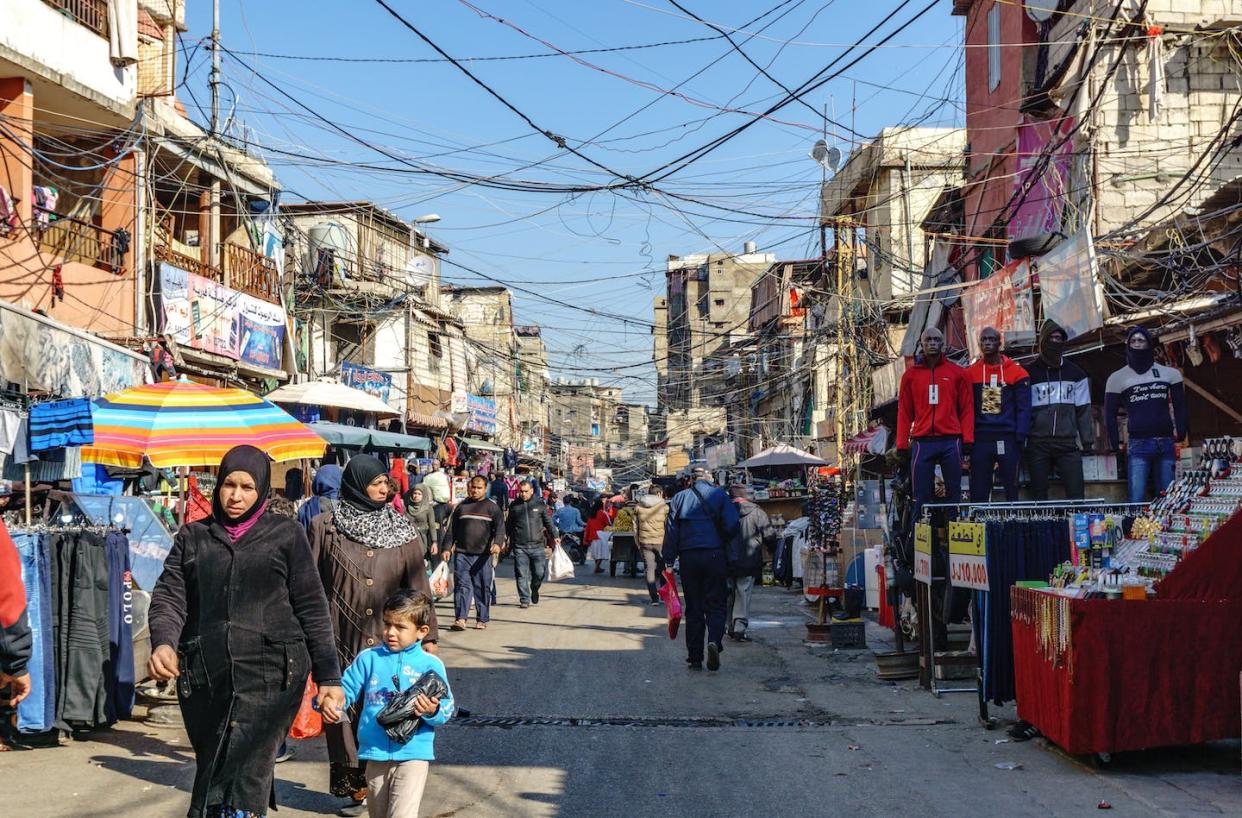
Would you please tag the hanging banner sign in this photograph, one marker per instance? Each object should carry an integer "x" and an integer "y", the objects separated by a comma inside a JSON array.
[
  {"x": 482, "y": 414},
  {"x": 371, "y": 381},
  {"x": 968, "y": 561},
  {"x": 260, "y": 332},
  {"x": 1068, "y": 285},
  {"x": 922, "y": 553},
  {"x": 1044, "y": 158},
  {"x": 1002, "y": 301},
  {"x": 204, "y": 314}
]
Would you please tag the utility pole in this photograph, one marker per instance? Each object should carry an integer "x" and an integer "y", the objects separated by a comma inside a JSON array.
[{"x": 214, "y": 237}]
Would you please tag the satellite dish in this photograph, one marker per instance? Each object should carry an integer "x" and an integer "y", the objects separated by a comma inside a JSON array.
[
  {"x": 828, "y": 158},
  {"x": 1041, "y": 10}
]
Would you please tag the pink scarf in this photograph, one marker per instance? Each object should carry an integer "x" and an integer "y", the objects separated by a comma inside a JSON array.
[{"x": 236, "y": 532}]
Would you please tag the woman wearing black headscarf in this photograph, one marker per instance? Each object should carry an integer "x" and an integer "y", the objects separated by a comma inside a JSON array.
[
  {"x": 240, "y": 644},
  {"x": 366, "y": 550}
]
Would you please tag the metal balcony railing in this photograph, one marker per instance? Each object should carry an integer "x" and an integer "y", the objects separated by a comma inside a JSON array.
[
  {"x": 72, "y": 239},
  {"x": 91, "y": 13}
]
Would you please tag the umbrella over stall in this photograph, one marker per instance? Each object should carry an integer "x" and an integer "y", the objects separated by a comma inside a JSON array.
[
  {"x": 181, "y": 423},
  {"x": 332, "y": 394},
  {"x": 782, "y": 455}
]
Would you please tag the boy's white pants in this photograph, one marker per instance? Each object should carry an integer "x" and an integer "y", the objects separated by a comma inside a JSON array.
[{"x": 395, "y": 788}]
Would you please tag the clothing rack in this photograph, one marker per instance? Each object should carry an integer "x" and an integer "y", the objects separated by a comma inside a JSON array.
[{"x": 985, "y": 512}]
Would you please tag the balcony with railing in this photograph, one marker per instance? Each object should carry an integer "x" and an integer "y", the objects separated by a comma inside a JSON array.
[
  {"x": 248, "y": 272},
  {"x": 91, "y": 13},
  {"x": 70, "y": 239},
  {"x": 251, "y": 272}
]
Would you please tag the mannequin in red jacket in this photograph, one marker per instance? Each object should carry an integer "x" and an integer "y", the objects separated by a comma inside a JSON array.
[{"x": 935, "y": 421}]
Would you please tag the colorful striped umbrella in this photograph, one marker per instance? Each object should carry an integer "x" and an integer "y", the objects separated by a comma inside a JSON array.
[{"x": 180, "y": 423}]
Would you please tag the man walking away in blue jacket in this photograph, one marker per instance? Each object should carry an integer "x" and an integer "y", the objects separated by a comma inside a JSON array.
[{"x": 702, "y": 530}]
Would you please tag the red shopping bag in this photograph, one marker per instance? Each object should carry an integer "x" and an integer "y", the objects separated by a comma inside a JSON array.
[
  {"x": 307, "y": 723},
  {"x": 672, "y": 602}
]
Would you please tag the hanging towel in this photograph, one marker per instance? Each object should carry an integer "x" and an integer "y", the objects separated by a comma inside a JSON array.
[
  {"x": 123, "y": 32},
  {"x": 1155, "y": 74},
  {"x": 10, "y": 425},
  {"x": 61, "y": 423}
]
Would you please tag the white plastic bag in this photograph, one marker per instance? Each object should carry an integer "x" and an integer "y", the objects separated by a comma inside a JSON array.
[
  {"x": 560, "y": 566},
  {"x": 441, "y": 580}
]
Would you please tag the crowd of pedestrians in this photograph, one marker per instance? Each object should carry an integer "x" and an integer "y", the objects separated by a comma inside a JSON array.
[{"x": 353, "y": 613}]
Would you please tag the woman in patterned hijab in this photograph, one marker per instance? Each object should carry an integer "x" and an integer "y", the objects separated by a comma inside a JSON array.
[{"x": 366, "y": 550}]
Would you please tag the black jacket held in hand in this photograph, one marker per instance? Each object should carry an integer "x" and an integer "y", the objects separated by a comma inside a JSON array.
[
  {"x": 529, "y": 523},
  {"x": 249, "y": 621}
]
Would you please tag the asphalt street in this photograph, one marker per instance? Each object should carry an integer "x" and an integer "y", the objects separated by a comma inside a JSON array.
[{"x": 582, "y": 706}]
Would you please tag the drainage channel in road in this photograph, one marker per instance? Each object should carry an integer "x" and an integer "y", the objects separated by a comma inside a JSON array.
[{"x": 509, "y": 722}]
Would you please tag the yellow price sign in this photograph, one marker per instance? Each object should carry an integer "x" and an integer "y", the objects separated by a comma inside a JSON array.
[
  {"x": 967, "y": 539},
  {"x": 922, "y": 538}
]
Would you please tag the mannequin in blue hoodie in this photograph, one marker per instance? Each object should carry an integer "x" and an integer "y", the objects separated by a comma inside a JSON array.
[{"x": 1154, "y": 399}]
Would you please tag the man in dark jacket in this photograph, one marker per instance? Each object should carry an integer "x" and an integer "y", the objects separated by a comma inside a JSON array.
[
  {"x": 755, "y": 532},
  {"x": 16, "y": 641},
  {"x": 1061, "y": 426},
  {"x": 702, "y": 526},
  {"x": 498, "y": 491},
  {"x": 473, "y": 533},
  {"x": 529, "y": 529}
]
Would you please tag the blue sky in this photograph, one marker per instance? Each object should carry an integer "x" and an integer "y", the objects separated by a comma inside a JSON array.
[{"x": 601, "y": 250}]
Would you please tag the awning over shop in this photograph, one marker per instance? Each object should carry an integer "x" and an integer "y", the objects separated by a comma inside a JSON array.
[
  {"x": 425, "y": 421},
  {"x": 872, "y": 441},
  {"x": 397, "y": 442},
  {"x": 356, "y": 437},
  {"x": 338, "y": 434},
  {"x": 44, "y": 354},
  {"x": 482, "y": 445}
]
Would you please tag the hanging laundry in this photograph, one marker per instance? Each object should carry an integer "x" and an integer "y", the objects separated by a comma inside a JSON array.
[
  {"x": 10, "y": 425},
  {"x": 45, "y": 199},
  {"x": 60, "y": 423},
  {"x": 51, "y": 466},
  {"x": 10, "y": 222},
  {"x": 58, "y": 284},
  {"x": 120, "y": 247},
  {"x": 96, "y": 480}
]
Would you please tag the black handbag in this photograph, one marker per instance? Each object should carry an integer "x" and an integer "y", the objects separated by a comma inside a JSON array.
[{"x": 398, "y": 718}]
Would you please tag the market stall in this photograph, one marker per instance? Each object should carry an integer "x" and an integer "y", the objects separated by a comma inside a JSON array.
[
  {"x": 780, "y": 479},
  {"x": 1137, "y": 645}
]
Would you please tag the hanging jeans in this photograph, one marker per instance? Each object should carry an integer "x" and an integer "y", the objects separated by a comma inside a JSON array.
[
  {"x": 120, "y": 675},
  {"x": 1153, "y": 457},
  {"x": 1043, "y": 454},
  {"x": 1001, "y": 454},
  {"x": 38, "y": 712},
  {"x": 925, "y": 454},
  {"x": 472, "y": 580},
  {"x": 704, "y": 582},
  {"x": 530, "y": 564}
]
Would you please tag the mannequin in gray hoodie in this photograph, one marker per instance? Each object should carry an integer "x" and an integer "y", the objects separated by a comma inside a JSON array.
[{"x": 652, "y": 512}]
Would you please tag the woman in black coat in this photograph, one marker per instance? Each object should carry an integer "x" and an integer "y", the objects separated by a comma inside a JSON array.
[{"x": 239, "y": 618}]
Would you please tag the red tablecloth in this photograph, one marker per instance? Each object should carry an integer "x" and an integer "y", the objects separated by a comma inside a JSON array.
[{"x": 1135, "y": 674}]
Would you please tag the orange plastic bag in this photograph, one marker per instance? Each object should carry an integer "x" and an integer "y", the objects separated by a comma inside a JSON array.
[{"x": 307, "y": 723}]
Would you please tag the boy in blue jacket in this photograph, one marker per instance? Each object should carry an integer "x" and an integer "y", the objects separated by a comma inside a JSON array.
[{"x": 396, "y": 773}]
